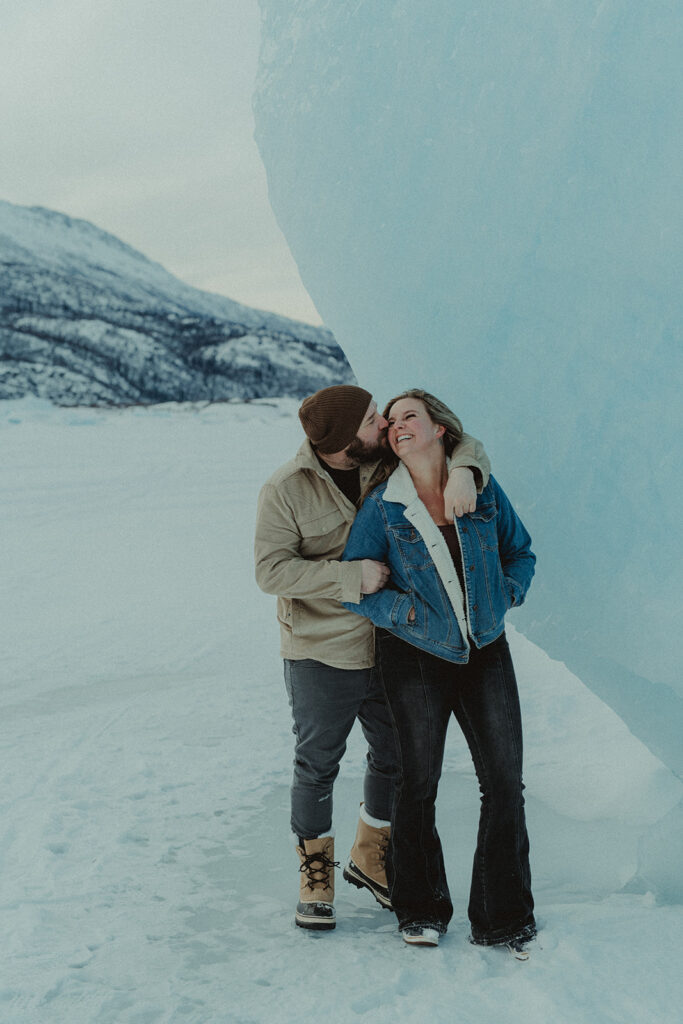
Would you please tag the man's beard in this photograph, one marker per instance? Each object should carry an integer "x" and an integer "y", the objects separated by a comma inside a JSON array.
[{"x": 361, "y": 452}]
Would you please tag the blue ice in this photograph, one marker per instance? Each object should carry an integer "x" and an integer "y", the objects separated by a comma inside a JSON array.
[{"x": 486, "y": 200}]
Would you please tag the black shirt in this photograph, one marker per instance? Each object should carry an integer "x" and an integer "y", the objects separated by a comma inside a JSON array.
[
  {"x": 450, "y": 535},
  {"x": 347, "y": 480}
]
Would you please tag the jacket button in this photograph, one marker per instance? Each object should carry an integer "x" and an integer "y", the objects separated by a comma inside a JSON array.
[
  {"x": 475, "y": 607},
  {"x": 470, "y": 568}
]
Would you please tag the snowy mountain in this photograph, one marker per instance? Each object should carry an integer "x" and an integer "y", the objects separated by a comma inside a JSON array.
[{"x": 87, "y": 320}]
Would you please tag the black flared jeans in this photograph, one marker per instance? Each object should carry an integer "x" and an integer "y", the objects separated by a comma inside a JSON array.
[{"x": 422, "y": 691}]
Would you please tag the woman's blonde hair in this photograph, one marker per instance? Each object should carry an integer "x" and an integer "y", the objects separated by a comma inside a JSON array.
[{"x": 439, "y": 413}]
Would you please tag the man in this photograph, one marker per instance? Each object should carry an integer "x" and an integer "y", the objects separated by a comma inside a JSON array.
[{"x": 305, "y": 512}]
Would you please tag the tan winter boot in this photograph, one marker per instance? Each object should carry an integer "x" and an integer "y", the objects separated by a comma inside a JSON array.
[
  {"x": 316, "y": 890},
  {"x": 367, "y": 862}
]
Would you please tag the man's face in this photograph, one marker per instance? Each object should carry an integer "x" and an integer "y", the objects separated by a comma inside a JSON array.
[{"x": 369, "y": 444}]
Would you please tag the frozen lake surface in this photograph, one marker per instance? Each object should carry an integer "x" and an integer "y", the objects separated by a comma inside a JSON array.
[{"x": 147, "y": 873}]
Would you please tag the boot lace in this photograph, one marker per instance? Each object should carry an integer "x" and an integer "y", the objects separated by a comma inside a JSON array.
[
  {"x": 317, "y": 864},
  {"x": 383, "y": 845}
]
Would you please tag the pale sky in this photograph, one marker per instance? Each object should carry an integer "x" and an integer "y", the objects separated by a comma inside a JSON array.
[{"x": 136, "y": 115}]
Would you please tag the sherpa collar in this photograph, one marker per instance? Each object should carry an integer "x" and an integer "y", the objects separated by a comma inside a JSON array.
[
  {"x": 400, "y": 487},
  {"x": 401, "y": 490}
]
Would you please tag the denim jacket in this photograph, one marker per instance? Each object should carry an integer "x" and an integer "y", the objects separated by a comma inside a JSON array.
[{"x": 393, "y": 526}]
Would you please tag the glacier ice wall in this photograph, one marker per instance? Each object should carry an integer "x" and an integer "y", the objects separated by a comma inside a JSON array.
[{"x": 485, "y": 200}]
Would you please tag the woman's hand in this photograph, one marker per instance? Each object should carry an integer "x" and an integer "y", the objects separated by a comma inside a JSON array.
[
  {"x": 373, "y": 576},
  {"x": 460, "y": 495},
  {"x": 411, "y": 615}
]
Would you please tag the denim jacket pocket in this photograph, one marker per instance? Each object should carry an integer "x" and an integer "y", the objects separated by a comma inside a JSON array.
[
  {"x": 510, "y": 591},
  {"x": 485, "y": 525},
  {"x": 418, "y": 625},
  {"x": 411, "y": 547}
]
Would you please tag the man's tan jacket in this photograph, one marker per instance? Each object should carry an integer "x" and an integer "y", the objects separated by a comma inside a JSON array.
[{"x": 302, "y": 526}]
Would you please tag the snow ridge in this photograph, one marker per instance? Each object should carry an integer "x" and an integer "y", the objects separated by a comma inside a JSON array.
[{"x": 85, "y": 319}]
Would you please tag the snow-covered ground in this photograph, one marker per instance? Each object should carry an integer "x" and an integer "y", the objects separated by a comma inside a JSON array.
[{"x": 146, "y": 870}]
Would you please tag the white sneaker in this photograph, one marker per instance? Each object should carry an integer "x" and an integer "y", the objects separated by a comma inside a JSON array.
[
  {"x": 518, "y": 949},
  {"x": 417, "y": 935}
]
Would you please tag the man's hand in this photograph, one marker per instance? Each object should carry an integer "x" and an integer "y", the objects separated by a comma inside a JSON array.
[
  {"x": 373, "y": 576},
  {"x": 460, "y": 495}
]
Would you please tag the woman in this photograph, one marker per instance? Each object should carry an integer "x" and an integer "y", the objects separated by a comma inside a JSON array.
[{"x": 441, "y": 648}]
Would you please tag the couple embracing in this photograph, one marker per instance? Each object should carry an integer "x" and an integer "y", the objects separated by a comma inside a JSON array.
[{"x": 395, "y": 556}]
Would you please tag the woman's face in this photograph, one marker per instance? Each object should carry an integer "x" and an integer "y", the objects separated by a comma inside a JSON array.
[{"x": 411, "y": 429}]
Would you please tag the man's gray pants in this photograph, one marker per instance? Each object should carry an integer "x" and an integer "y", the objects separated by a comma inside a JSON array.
[{"x": 325, "y": 703}]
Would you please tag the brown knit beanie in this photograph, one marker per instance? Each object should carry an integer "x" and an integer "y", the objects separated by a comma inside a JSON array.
[{"x": 331, "y": 417}]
